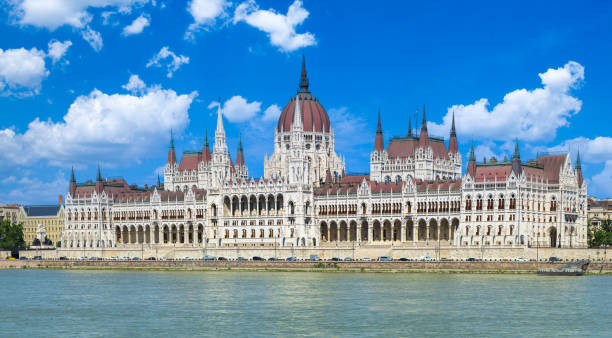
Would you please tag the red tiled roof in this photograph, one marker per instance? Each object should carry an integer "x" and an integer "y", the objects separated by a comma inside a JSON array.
[
  {"x": 311, "y": 110},
  {"x": 190, "y": 161},
  {"x": 552, "y": 166},
  {"x": 354, "y": 179},
  {"x": 405, "y": 147},
  {"x": 490, "y": 173}
]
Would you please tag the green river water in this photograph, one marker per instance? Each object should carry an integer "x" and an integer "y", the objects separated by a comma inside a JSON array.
[{"x": 262, "y": 304}]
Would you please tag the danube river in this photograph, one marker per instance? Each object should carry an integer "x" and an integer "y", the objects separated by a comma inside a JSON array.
[{"x": 169, "y": 304}]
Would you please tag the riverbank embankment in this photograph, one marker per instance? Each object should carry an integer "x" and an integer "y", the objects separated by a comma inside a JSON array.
[{"x": 341, "y": 266}]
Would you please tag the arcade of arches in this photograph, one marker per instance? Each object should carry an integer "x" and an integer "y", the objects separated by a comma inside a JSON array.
[
  {"x": 172, "y": 234},
  {"x": 389, "y": 230}
]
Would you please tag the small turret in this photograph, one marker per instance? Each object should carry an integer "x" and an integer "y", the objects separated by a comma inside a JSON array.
[{"x": 379, "y": 143}]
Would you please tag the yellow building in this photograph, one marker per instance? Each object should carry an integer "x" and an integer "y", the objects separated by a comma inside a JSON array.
[
  {"x": 10, "y": 212},
  {"x": 599, "y": 211},
  {"x": 43, "y": 220}
]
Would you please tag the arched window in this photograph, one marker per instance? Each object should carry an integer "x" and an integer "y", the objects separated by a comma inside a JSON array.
[
  {"x": 387, "y": 179},
  {"x": 398, "y": 179}
]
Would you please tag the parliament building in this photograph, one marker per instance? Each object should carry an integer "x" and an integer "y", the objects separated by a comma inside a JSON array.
[{"x": 416, "y": 195}]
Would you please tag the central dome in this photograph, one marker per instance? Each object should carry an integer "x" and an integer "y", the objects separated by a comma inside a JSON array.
[{"x": 314, "y": 116}]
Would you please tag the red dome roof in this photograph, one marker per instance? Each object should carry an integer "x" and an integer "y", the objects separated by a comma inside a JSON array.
[
  {"x": 312, "y": 111},
  {"x": 314, "y": 115}
]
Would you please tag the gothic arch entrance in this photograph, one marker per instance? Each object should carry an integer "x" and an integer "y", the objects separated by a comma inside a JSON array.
[{"x": 552, "y": 233}]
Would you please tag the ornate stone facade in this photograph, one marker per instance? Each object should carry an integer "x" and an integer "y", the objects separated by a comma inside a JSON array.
[{"x": 416, "y": 195}]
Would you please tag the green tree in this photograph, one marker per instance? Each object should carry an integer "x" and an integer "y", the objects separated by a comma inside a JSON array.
[
  {"x": 11, "y": 235},
  {"x": 602, "y": 236}
]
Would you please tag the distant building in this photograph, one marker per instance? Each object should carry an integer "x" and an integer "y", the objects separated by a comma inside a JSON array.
[
  {"x": 599, "y": 211},
  {"x": 9, "y": 211},
  {"x": 47, "y": 220}
]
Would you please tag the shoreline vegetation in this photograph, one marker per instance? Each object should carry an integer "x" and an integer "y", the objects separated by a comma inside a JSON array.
[{"x": 595, "y": 269}]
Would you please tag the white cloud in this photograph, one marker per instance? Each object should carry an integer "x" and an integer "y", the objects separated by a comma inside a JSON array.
[
  {"x": 237, "y": 109},
  {"x": 602, "y": 182},
  {"x": 205, "y": 14},
  {"x": 52, "y": 14},
  {"x": 116, "y": 129},
  {"x": 175, "y": 61},
  {"x": 58, "y": 49},
  {"x": 21, "y": 71},
  {"x": 271, "y": 113},
  {"x": 136, "y": 26},
  {"x": 32, "y": 190},
  {"x": 530, "y": 115},
  {"x": 280, "y": 28},
  {"x": 93, "y": 38},
  {"x": 135, "y": 85},
  {"x": 596, "y": 150}
]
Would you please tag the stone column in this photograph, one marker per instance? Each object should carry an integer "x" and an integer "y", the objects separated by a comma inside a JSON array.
[
  {"x": 403, "y": 233},
  {"x": 414, "y": 232}
]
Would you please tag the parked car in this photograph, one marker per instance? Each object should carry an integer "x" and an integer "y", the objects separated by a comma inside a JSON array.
[
  {"x": 23, "y": 258},
  {"x": 151, "y": 258},
  {"x": 272, "y": 259},
  {"x": 241, "y": 259},
  {"x": 366, "y": 259},
  {"x": 208, "y": 258},
  {"x": 37, "y": 258},
  {"x": 314, "y": 258},
  {"x": 257, "y": 258},
  {"x": 135, "y": 258},
  {"x": 471, "y": 259},
  {"x": 335, "y": 259},
  {"x": 291, "y": 259},
  {"x": 221, "y": 259},
  {"x": 385, "y": 259},
  {"x": 554, "y": 259},
  {"x": 163, "y": 259},
  {"x": 347, "y": 259},
  {"x": 521, "y": 259},
  {"x": 426, "y": 259},
  {"x": 403, "y": 259}
]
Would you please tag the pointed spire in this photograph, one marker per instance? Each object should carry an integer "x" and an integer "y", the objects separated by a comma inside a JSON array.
[
  {"x": 409, "y": 125},
  {"x": 72, "y": 178},
  {"x": 379, "y": 143},
  {"x": 297, "y": 114},
  {"x": 579, "y": 169},
  {"x": 516, "y": 160},
  {"x": 158, "y": 181},
  {"x": 472, "y": 155},
  {"x": 304, "y": 76},
  {"x": 99, "y": 177},
  {"x": 240, "y": 154},
  {"x": 452, "y": 142},
  {"x": 472, "y": 162},
  {"x": 424, "y": 137},
  {"x": 205, "y": 137},
  {"x": 219, "y": 119},
  {"x": 517, "y": 154},
  {"x": 379, "y": 125},
  {"x": 171, "y": 153}
]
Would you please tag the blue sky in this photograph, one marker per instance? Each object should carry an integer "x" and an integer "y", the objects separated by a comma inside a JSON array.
[{"x": 104, "y": 81}]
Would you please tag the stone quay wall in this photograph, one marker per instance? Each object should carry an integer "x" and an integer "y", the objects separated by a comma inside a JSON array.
[
  {"x": 372, "y": 251},
  {"x": 596, "y": 267}
]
